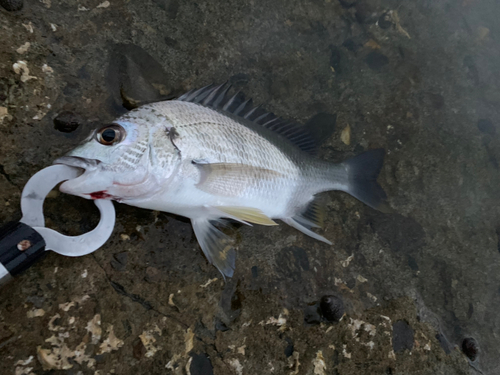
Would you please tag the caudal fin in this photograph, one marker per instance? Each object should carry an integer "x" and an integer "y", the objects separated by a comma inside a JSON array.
[{"x": 362, "y": 171}]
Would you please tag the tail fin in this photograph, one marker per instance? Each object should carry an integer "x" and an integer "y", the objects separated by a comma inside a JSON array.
[{"x": 362, "y": 171}]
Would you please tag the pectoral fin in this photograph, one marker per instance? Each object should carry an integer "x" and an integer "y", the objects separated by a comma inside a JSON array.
[
  {"x": 217, "y": 247},
  {"x": 230, "y": 179},
  {"x": 247, "y": 214}
]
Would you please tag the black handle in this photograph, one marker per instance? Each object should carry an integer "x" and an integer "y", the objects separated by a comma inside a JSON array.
[{"x": 20, "y": 247}]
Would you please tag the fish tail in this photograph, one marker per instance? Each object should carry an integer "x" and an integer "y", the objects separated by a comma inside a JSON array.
[{"x": 362, "y": 173}]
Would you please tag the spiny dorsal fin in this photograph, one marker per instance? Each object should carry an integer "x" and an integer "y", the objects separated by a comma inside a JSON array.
[{"x": 216, "y": 97}]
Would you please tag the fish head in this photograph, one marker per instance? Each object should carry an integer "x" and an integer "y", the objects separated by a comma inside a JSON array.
[{"x": 132, "y": 158}]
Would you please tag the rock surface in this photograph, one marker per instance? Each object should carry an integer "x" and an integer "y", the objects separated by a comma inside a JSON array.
[{"x": 424, "y": 86}]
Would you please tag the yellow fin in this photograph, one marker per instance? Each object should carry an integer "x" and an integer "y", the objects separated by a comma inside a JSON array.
[{"x": 251, "y": 215}]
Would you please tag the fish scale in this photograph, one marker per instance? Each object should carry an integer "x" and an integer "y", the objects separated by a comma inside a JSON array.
[{"x": 209, "y": 156}]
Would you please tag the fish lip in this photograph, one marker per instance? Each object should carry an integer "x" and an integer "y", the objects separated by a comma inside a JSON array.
[{"x": 79, "y": 162}]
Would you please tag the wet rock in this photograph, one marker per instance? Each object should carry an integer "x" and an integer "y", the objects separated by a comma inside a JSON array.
[
  {"x": 486, "y": 126},
  {"x": 230, "y": 303},
  {"x": 412, "y": 263},
  {"x": 121, "y": 257},
  {"x": 436, "y": 100},
  {"x": 498, "y": 239},
  {"x": 376, "y": 60},
  {"x": 171, "y": 42},
  {"x": 12, "y": 5},
  {"x": 351, "y": 45},
  {"x": 471, "y": 69},
  {"x": 201, "y": 365},
  {"x": 293, "y": 262},
  {"x": 335, "y": 58},
  {"x": 67, "y": 122},
  {"x": 470, "y": 348},
  {"x": 401, "y": 234},
  {"x": 312, "y": 314},
  {"x": 402, "y": 336},
  {"x": 332, "y": 308},
  {"x": 239, "y": 79},
  {"x": 385, "y": 20}
]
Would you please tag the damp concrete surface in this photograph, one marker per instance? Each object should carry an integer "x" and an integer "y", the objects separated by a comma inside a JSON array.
[{"x": 419, "y": 79}]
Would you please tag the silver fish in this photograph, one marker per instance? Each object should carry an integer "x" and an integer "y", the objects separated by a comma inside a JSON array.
[{"x": 208, "y": 156}]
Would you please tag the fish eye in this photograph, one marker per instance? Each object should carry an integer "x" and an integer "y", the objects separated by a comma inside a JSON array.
[{"x": 111, "y": 134}]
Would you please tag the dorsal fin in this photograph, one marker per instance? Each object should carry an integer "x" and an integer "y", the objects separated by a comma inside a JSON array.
[{"x": 216, "y": 97}]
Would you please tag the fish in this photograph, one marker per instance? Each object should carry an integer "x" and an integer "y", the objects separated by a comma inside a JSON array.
[{"x": 212, "y": 157}]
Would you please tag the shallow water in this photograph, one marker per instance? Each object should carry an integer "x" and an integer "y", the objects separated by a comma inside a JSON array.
[{"x": 419, "y": 79}]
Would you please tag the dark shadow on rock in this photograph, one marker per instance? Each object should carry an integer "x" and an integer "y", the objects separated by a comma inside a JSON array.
[
  {"x": 402, "y": 336},
  {"x": 201, "y": 365},
  {"x": 400, "y": 233},
  {"x": 293, "y": 262},
  {"x": 134, "y": 78}
]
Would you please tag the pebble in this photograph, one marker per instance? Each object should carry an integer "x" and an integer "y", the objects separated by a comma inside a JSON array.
[
  {"x": 201, "y": 365},
  {"x": 385, "y": 20},
  {"x": 470, "y": 348},
  {"x": 12, "y": 5},
  {"x": 332, "y": 308},
  {"x": 66, "y": 122}
]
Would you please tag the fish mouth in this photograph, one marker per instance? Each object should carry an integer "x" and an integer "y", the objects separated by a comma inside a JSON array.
[{"x": 78, "y": 162}]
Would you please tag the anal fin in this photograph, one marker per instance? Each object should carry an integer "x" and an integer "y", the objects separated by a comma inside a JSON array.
[
  {"x": 293, "y": 223},
  {"x": 314, "y": 214},
  {"x": 217, "y": 247}
]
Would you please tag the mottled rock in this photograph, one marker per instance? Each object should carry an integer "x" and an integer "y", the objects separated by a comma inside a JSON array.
[
  {"x": 12, "y": 5},
  {"x": 312, "y": 314},
  {"x": 335, "y": 58},
  {"x": 385, "y": 20}
]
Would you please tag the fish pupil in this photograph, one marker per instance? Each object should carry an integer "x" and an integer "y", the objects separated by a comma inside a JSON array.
[{"x": 108, "y": 135}]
